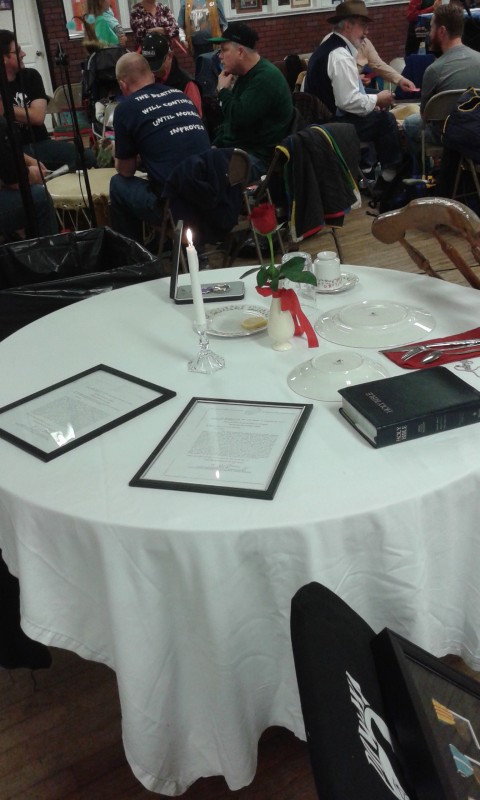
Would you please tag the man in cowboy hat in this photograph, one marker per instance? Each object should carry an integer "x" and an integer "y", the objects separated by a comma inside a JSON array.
[{"x": 332, "y": 75}]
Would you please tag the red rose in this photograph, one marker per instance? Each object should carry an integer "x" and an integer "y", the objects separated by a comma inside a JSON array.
[{"x": 263, "y": 218}]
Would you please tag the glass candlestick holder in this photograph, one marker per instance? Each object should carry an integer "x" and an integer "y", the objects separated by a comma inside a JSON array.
[{"x": 206, "y": 360}]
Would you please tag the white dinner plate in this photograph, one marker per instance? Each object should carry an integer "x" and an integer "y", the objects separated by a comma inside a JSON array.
[
  {"x": 375, "y": 323},
  {"x": 227, "y": 320},
  {"x": 349, "y": 280},
  {"x": 321, "y": 377}
]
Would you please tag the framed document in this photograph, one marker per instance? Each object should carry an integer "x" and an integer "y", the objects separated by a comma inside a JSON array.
[
  {"x": 435, "y": 711},
  {"x": 67, "y": 414},
  {"x": 234, "y": 447}
]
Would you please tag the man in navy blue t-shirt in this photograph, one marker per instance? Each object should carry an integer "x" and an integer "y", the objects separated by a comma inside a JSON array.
[{"x": 156, "y": 128}]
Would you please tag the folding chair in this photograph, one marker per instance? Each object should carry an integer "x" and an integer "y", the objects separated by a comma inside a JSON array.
[
  {"x": 436, "y": 110},
  {"x": 59, "y": 106},
  {"x": 466, "y": 165},
  {"x": 350, "y": 744}
]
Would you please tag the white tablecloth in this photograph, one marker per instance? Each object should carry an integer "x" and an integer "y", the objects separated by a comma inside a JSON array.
[{"x": 186, "y": 595}]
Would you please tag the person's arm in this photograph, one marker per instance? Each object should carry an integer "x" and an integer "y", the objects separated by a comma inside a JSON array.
[
  {"x": 193, "y": 93},
  {"x": 104, "y": 32},
  {"x": 429, "y": 87},
  {"x": 126, "y": 155},
  {"x": 377, "y": 64},
  {"x": 343, "y": 73},
  {"x": 126, "y": 167},
  {"x": 36, "y": 113},
  {"x": 165, "y": 19}
]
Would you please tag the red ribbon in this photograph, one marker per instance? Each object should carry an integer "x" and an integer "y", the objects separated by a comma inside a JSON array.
[{"x": 290, "y": 302}]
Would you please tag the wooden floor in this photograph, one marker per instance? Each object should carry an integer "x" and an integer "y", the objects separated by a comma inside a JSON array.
[
  {"x": 61, "y": 740},
  {"x": 360, "y": 247}
]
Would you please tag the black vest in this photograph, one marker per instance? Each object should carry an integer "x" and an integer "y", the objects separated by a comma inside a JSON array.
[{"x": 317, "y": 81}]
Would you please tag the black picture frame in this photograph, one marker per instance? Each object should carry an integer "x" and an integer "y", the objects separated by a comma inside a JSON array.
[
  {"x": 435, "y": 713},
  {"x": 178, "y": 448},
  {"x": 47, "y": 454}
]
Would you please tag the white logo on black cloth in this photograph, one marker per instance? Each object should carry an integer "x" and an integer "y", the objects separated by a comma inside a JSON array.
[{"x": 375, "y": 753}]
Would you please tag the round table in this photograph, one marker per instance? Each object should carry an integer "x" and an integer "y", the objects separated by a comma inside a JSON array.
[
  {"x": 187, "y": 595},
  {"x": 69, "y": 195}
]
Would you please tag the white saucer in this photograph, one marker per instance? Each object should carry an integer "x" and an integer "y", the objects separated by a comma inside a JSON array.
[
  {"x": 227, "y": 320},
  {"x": 349, "y": 280},
  {"x": 375, "y": 323},
  {"x": 321, "y": 377}
]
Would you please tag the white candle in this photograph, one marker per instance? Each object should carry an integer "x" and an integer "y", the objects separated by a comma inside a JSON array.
[{"x": 193, "y": 269}]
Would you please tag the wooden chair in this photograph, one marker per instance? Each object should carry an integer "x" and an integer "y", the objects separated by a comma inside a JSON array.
[
  {"x": 432, "y": 215},
  {"x": 436, "y": 110}
]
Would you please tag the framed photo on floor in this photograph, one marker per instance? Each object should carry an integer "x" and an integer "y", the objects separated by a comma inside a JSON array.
[{"x": 435, "y": 712}]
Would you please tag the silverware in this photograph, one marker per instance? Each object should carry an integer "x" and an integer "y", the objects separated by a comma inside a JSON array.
[
  {"x": 414, "y": 350},
  {"x": 451, "y": 343},
  {"x": 437, "y": 354}
]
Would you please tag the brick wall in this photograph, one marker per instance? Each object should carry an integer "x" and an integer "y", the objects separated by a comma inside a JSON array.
[{"x": 279, "y": 36}]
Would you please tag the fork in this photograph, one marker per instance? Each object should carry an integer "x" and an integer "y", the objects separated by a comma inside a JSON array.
[{"x": 421, "y": 348}]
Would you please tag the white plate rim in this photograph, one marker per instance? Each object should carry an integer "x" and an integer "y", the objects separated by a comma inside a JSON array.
[
  {"x": 260, "y": 311},
  {"x": 412, "y": 333},
  {"x": 349, "y": 280}
]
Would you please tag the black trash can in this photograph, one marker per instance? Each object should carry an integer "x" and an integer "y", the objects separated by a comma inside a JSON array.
[{"x": 41, "y": 275}]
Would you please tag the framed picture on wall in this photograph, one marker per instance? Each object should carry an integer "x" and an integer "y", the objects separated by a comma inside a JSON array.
[
  {"x": 300, "y": 3},
  {"x": 5, "y": 5},
  {"x": 435, "y": 712},
  {"x": 247, "y": 6}
]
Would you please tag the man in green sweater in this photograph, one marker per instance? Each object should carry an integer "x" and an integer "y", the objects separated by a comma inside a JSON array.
[{"x": 254, "y": 96}]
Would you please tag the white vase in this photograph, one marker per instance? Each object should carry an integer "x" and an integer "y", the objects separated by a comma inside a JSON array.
[{"x": 280, "y": 326}]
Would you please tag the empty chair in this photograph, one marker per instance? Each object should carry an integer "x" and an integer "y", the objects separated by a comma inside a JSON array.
[
  {"x": 436, "y": 111},
  {"x": 61, "y": 110},
  {"x": 432, "y": 215},
  {"x": 349, "y": 742}
]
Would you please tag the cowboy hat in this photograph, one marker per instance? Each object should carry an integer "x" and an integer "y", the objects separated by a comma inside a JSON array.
[{"x": 348, "y": 9}]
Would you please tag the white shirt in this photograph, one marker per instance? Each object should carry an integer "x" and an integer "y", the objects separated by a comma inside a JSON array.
[{"x": 343, "y": 73}]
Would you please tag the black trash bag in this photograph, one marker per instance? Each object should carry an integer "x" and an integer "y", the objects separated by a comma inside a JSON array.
[{"x": 38, "y": 276}]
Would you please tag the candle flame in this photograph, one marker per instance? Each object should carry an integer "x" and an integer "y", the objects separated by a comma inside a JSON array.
[{"x": 189, "y": 237}]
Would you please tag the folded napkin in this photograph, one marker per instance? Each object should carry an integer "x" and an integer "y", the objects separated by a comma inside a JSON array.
[{"x": 416, "y": 361}]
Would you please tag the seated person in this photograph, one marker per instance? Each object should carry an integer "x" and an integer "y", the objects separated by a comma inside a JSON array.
[
  {"x": 27, "y": 94},
  {"x": 154, "y": 124},
  {"x": 332, "y": 75},
  {"x": 164, "y": 65},
  {"x": 457, "y": 67},
  {"x": 257, "y": 106},
  {"x": 12, "y": 212}
]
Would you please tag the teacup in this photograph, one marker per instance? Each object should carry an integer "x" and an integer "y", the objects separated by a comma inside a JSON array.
[{"x": 326, "y": 269}]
